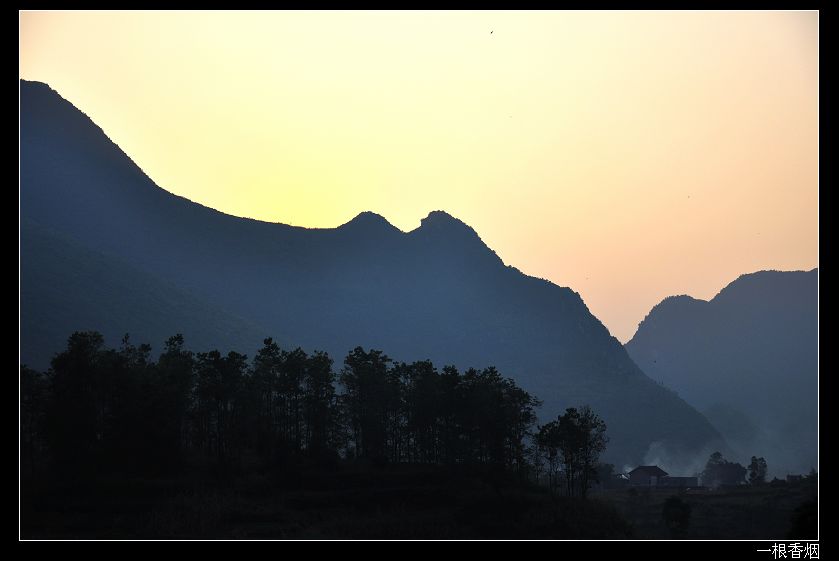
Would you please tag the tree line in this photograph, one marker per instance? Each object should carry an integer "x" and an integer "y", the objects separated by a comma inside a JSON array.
[
  {"x": 98, "y": 409},
  {"x": 118, "y": 408},
  {"x": 719, "y": 471},
  {"x": 570, "y": 448}
]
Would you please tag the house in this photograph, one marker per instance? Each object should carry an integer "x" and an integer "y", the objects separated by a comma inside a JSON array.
[
  {"x": 794, "y": 478},
  {"x": 646, "y": 476},
  {"x": 678, "y": 481}
]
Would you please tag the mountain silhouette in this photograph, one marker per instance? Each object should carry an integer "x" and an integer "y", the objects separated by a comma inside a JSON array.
[
  {"x": 66, "y": 287},
  {"x": 436, "y": 292},
  {"x": 748, "y": 358}
]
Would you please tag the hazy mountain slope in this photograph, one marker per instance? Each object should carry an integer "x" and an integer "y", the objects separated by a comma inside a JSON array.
[
  {"x": 749, "y": 357},
  {"x": 436, "y": 292},
  {"x": 66, "y": 288}
]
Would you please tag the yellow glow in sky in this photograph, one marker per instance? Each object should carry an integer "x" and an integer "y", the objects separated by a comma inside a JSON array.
[{"x": 628, "y": 155}]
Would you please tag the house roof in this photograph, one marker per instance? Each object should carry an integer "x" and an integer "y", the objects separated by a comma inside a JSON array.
[{"x": 649, "y": 471}]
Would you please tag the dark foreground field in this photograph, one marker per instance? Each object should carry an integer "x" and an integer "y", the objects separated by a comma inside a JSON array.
[
  {"x": 397, "y": 502},
  {"x": 760, "y": 513},
  {"x": 387, "y": 502}
]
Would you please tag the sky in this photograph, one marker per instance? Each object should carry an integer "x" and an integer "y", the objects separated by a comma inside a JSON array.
[{"x": 627, "y": 155}]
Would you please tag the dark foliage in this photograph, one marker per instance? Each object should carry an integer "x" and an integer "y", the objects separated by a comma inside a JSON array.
[
  {"x": 208, "y": 432},
  {"x": 757, "y": 471},
  {"x": 100, "y": 410},
  {"x": 573, "y": 443},
  {"x": 719, "y": 471}
]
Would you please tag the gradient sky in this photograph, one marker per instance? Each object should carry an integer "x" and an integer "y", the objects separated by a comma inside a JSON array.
[{"x": 628, "y": 155}]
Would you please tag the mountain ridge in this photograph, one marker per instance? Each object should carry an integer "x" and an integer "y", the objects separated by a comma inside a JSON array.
[
  {"x": 748, "y": 358},
  {"x": 436, "y": 292}
]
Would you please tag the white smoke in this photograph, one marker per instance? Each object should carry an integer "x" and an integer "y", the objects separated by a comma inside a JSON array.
[{"x": 677, "y": 464}]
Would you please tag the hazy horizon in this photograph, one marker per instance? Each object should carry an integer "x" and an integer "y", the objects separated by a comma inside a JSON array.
[{"x": 692, "y": 137}]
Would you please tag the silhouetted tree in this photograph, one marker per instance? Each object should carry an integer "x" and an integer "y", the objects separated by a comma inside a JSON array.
[
  {"x": 33, "y": 394},
  {"x": 757, "y": 471},
  {"x": 219, "y": 385},
  {"x": 719, "y": 471},
  {"x": 368, "y": 395},
  {"x": 136, "y": 439},
  {"x": 101, "y": 409},
  {"x": 569, "y": 439},
  {"x": 292, "y": 371},
  {"x": 519, "y": 420},
  {"x": 535, "y": 459},
  {"x": 495, "y": 418},
  {"x": 547, "y": 440},
  {"x": 574, "y": 441},
  {"x": 714, "y": 460},
  {"x": 422, "y": 401},
  {"x": 175, "y": 371},
  {"x": 593, "y": 441},
  {"x": 582, "y": 437},
  {"x": 265, "y": 381},
  {"x": 319, "y": 405},
  {"x": 74, "y": 423},
  {"x": 450, "y": 411}
]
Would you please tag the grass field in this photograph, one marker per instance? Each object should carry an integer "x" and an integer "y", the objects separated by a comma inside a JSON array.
[
  {"x": 764, "y": 512},
  {"x": 388, "y": 502},
  {"x": 396, "y": 502}
]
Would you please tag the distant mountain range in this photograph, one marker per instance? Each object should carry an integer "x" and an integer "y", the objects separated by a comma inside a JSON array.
[
  {"x": 103, "y": 247},
  {"x": 748, "y": 358}
]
